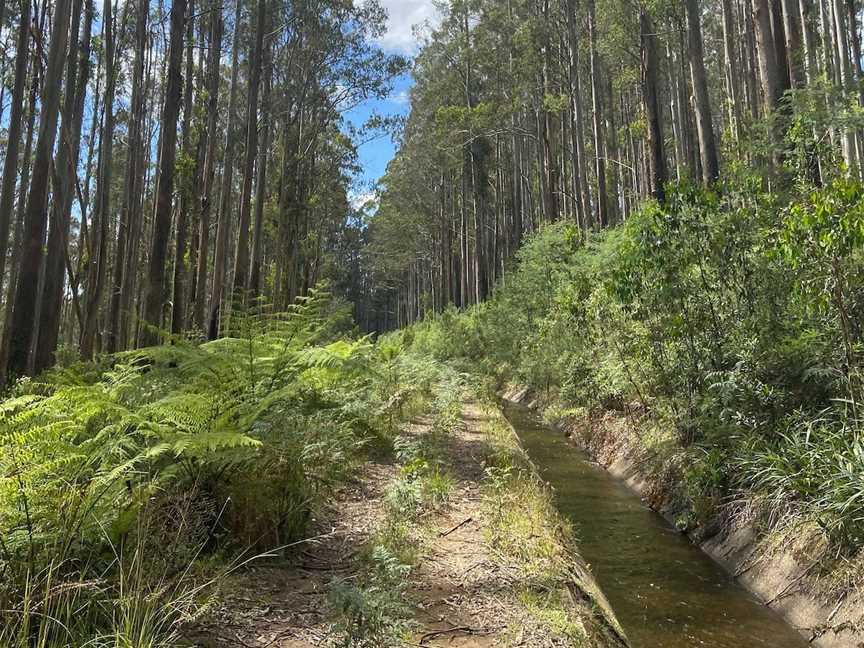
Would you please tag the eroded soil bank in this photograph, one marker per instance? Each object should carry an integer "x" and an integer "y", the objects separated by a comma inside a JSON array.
[
  {"x": 782, "y": 570},
  {"x": 487, "y": 564}
]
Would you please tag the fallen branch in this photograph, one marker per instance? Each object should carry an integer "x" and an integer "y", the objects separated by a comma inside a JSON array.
[
  {"x": 836, "y": 609},
  {"x": 463, "y": 629},
  {"x": 788, "y": 587},
  {"x": 444, "y": 534}
]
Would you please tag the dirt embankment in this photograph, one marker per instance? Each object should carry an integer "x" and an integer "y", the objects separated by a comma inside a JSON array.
[
  {"x": 784, "y": 569},
  {"x": 465, "y": 588}
]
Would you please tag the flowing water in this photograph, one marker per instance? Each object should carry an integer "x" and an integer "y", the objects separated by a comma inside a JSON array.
[{"x": 664, "y": 590}]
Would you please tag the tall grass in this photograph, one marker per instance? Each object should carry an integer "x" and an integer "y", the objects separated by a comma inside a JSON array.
[{"x": 817, "y": 467}]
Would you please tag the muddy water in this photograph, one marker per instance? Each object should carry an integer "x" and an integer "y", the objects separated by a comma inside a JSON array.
[{"x": 664, "y": 590}]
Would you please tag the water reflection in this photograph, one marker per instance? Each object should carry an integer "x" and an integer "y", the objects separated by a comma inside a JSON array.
[{"x": 665, "y": 591}]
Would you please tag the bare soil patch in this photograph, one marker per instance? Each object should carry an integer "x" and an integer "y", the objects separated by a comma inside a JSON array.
[{"x": 285, "y": 605}]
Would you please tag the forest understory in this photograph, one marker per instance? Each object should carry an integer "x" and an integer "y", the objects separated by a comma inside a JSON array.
[{"x": 289, "y": 488}]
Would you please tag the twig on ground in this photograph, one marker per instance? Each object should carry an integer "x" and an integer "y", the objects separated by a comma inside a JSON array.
[
  {"x": 444, "y": 534},
  {"x": 473, "y": 567},
  {"x": 791, "y": 584},
  {"x": 463, "y": 629},
  {"x": 836, "y": 609}
]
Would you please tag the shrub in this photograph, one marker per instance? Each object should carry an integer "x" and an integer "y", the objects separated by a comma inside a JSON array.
[{"x": 720, "y": 315}]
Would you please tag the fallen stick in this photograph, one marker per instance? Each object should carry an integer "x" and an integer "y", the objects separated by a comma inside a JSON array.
[
  {"x": 466, "y": 629},
  {"x": 791, "y": 584},
  {"x": 444, "y": 534},
  {"x": 836, "y": 609}
]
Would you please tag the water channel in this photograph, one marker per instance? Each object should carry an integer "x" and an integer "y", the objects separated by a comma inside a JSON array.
[{"x": 665, "y": 591}]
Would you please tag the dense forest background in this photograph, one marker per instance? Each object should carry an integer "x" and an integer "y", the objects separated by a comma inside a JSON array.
[
  {"x": 165, "y": 162},
  {"x": 526, "y": 113}
]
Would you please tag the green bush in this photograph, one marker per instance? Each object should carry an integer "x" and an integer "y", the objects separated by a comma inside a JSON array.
[{"x": 733, "y": 318}]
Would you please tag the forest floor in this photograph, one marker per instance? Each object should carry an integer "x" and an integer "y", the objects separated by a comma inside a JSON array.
[{"x": 460, "y": 592}]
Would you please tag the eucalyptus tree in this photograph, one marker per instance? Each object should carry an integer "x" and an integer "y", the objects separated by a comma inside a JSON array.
[
  {"x": 35, "y": 224},
  {"x": 129, "y": 217},
  {"x": 15, "y": 127},
  {"x": 577, "y": 109},
  {"x": 236, "y": 177},
  {"x": 701, "y": 102},
  {"x": 98, "y": 248},
  {"x": 65, "y": 167}
]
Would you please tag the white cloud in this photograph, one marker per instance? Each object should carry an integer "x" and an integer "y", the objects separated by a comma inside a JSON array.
[
  {"x": 367, "y": 199},
  {"x": 401, "y": 98},
  {"x": 403, "y": 16}
]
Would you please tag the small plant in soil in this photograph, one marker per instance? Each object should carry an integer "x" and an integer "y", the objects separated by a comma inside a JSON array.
[{"x": 373, "y": 613}]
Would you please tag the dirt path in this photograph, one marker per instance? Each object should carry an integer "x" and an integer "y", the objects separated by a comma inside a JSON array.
[
  {"x": 466, "y": 598},
  {"x": 461, "y": 594},
  {"x": 284, "y": 605}
]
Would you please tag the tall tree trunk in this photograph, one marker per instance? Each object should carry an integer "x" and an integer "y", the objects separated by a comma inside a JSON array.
[
  {"x": 165, "y": 184},
  {"x": 826, "y": 24},
  {"x": 208, "y": 172},
  {"x": 261, "y": 178},
  {"x": 701, "y": 101},
  {"x": 676, "y": 111},
  {"x": 733, "y": 87},
  {"x": 199, "y": 154},
  {"x": 611, "y": 151},
  {"x": 178, "y": 302},
  {"x": 20, "y": 211},
  {"x": 599, "y": 162},
  {"x": 749, "y": 58},
  {"x": 767, "y": 53},
  {"x": 479, "y": 181},
  {"x": 857, "y": 70},
  {"x": 650, "y": 92},
  {"x": 16, "y": 120},
  {"x": 36, "y": 216},
  {"x": 805, "y": 9},
  {"x": 65, "y": 171},
  {"x": 139, "y": 227},
  {"x": 794, "y": 43},
  {"x": 116, "y": 333},
  {"x": 550, "y": 175},
  {"x": 844, "y": 63},
  {"x": 778, "y": 31},
  {"x": 289, "y": 198},
  {"x": 855, "y": 44},
  {"x": 577, "y": 134},
  {"x": 98, "y": 264},
  {"x": 241, "y": 260},
  {"x": 224, "y": 224}
]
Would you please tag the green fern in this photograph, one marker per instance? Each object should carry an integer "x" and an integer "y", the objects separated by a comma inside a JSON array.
[{"x": 254, "y": 428}]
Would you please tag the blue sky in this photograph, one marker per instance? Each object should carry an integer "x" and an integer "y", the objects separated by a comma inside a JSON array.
[
  {"x": 400, "y": 39},
  {"x": 375, "y": 155}
]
